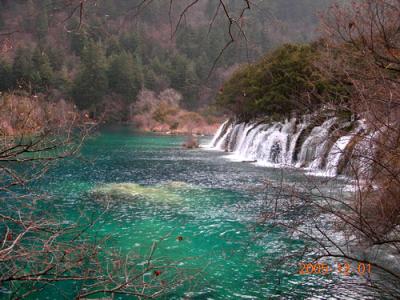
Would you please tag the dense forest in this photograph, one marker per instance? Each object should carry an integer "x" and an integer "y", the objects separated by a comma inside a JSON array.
[
  {"x": 343, "y": 87},
  {"x": 295, "y": 197},
  {"x": 103, "y": 58},
  {"x": 289, "y": 81}
]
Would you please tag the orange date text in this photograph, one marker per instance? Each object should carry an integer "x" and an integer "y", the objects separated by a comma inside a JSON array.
[{"x": 342, "y": 268}]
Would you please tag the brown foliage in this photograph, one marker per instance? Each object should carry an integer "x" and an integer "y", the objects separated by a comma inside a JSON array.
[
  {"x": 363, "y": 42},
  {"x": 360, "y": 49},
  {"x": 32, "y": 114},
  {"x": 162, "y": 113},
  {"x": 38, "y": 249}
]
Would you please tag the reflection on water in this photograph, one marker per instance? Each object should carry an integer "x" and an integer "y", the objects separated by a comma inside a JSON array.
[{"x": 156, "y": 189}]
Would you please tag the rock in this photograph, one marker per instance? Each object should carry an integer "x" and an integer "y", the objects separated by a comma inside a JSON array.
[{"x": 191, "y": 142}]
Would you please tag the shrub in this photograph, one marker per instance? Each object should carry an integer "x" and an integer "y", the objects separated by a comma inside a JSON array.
[{"x": 284, "y": 81}]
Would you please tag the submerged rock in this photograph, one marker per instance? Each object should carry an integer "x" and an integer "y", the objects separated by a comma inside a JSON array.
[
  {"x": 191, "y": 142},
  {"x": 167, "y": 192}
]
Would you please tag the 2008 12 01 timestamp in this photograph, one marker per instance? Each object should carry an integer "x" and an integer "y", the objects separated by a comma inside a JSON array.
[{"x": 343, "y": 268}]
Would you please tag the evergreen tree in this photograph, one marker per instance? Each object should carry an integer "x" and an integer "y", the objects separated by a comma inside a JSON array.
[
  {"x": 123, "y": 76},
  {"x": 130, "y": 41},
  {"x": 203, "y": 66},
  {"x": 191, "y": 87},
  {"x": 6, "y": 76},
  {"x": 136, "y": 51},
  {"x": 78, "y": 42},
  {"x": 23, "y": 70},
  {"x": 160, "y": 66},
  {"x": 91, "y": 84},
  {"x": 179, "y": 66},
  {"x": 43, "y": 72},
  {"x": 28, "y": 21},
  {"x": 2, "y": 23},
  {"x": 56, "y": 57},
  {"x": 113, "y": 46},
  {"x": 42, "y": 24},
  {"x": 188, "y": 41},
  {"x": 149, "y": 79}
]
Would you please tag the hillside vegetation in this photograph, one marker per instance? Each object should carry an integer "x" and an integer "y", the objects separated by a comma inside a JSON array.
[
  {"x": 285, "y": 81},
  {"x": 102, "y": 60},
  {"x": 353, "y": 71}
]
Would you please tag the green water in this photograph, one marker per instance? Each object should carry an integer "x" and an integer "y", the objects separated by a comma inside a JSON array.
[{"x": 158, "y": 189}]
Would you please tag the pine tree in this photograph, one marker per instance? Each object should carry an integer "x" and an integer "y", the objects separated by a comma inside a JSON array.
[
  {"x": 78, "y": 42},
  {"x": 203, "y": 66},
  {"x": 28, "y": 20},
  {"x": 149, "y": 79},
  {"x": 2, "y": 23},
  {"x": 179, "y": 65},
  {"x": 130, "y": 41},
  {"x": 43, "y": 72},
  {"x": 23, "y": 70},
  {"x": 124, "y": 77},
  {"x": 91, "y": 84},
  {"x": 113, "y": 46},
  {"x": 56, "y": 57},
  {"x": 42, "y": 24},
  {"x": 6, "y": 76}
]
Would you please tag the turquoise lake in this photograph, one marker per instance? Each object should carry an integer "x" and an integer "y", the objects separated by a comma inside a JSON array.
[{"x": 160, "y": 190}]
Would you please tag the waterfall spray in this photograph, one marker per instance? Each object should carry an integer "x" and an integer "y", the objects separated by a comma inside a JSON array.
[{"x": 275, "y": 143}]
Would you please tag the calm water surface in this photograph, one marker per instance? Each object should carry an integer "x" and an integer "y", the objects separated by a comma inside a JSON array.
[{"x": 211, "y": 202}]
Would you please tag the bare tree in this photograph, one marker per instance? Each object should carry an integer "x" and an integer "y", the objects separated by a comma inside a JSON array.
[
  {"x": 38, "y": 248},
  {"x": 235, "y": 18},
  {"x": 360, "y": 226}
]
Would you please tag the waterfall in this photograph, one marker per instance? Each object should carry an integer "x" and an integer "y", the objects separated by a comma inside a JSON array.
[
  {"x": 217, "y": 135},
  {"x": 294, "y": 143},
  {"x": 336, "y": 153},
  {"x": 236, "y": 135},
  {"x": 245, "y": 139},
  {"x": 246, "y": 148},
  {"x": 314, "y": 144},
  {"x": 220, "y": 144}
]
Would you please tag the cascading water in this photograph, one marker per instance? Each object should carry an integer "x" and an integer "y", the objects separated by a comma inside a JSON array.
[
  {"x": 251, "y": 139},
  {"x": 236, "y": 135},
  {"x": 294, "y": 143},
  {"x": 336, "y": 153},
  {"x": 217, "y": 135},
  {"x": 294, "y": 138},
  {"x": 221, "y": 142},
  {"x": 312, "y": 150}
]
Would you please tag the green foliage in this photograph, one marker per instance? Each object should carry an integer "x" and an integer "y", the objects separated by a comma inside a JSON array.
[
  {"x": 42, "y": 24},
  {"x": 6, "y": 76},
  {"x": 56, "y": 57},
  {"x": 23, "y": 67},
  {"x": 43, "y": 72},
  {"x": 282, "y": 82},
  {"x": 78, "y": 42},
  {"x": 183, "y": 77},
  {"x": 149, "y": 79},
  {"x": 91, "y": 83},
  {"x": 28, "y": 21},
  {"x": 132, "y": 54},
  {"x": 113, "y": 46},
  {"x": 2, "y": 23},
  {"x": 189, "y": 41},
  {"x": 178, "y": 71},
  {"x": 130, "y": 41},
  {"x": 32, "y": 71},
  {"x": 124, "y": 76}
]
